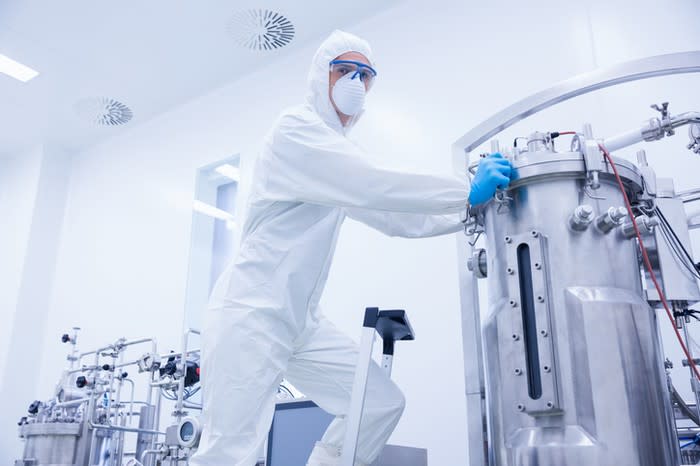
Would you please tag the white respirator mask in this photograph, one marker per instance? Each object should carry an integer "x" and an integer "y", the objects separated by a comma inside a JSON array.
[{"x": 349, "y": 94}]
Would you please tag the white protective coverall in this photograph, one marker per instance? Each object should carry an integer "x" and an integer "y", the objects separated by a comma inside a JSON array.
[{"x": 263, "y": 321}]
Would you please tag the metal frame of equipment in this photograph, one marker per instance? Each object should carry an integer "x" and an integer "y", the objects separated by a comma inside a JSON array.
[{"x": 86, "y": 420}]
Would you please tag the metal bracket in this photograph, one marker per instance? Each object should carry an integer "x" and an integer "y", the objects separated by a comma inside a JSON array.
[{"x": 592, "y": 157}]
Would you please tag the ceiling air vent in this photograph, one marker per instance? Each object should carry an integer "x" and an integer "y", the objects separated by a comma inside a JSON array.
[
  {"x": 104, "y": 111},
  {"x": 261, "y": 29}
]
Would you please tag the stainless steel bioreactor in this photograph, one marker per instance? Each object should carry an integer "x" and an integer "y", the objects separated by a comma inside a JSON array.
[{"x": 564, "y": 367}]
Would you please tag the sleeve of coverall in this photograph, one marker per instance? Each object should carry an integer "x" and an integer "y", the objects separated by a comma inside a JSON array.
[
  {"x": 310, "y": 162},
  {"x": 407, "y": 225}
]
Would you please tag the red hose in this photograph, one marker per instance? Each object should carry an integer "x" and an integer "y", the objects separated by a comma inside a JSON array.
[{"x": 647, "y": 262}]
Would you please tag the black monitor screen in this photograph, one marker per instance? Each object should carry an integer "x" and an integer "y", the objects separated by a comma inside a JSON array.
[{"x": 297, "y": 426}]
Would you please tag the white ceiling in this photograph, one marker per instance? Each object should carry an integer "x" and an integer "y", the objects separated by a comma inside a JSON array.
[{"x": 150, "y": 55}]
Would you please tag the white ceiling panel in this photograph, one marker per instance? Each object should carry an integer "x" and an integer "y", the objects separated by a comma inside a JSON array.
[{"x": 150, "y": 56}]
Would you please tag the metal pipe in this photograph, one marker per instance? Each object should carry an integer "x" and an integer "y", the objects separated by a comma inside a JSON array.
[
  {"x": 149, "y": 393},
  {"x": 650, "y": 67},
  {"x": 190, "y": 405},
  {"x": 146, "y": 453},
  {"x": 693, "y": 214},
  {"x": 149, "y": 399},
  {"x": 142, "y": 340},
  {"x": 628, "y": 138},
  {"x": 156, "y": 419},
  {"x": 690, "y": 195},
  {"x": 119, "y": 448},
  {"x": 115, "y": 447},
  {"x": 694, "y": 218},
  {"x": 71, "y": 404},
  {"x": 471, "y": 340},
  {"x": 181, "y": 382},
  {"x": 171, "y": 355},
  {"x": 183, "y": 369},
  {"x": 127, "y": 364},
  {"x": 93, "y": 444},
  {"x": 110, "y": 388},
  {"x": 683, "y": 119},
  {"x": 113, "y": 346},
  {"x": 124, "y": 429},
  {"x": 74, "y": 349},
  {"x": 162, "y": 383},
  {"x": 653, "y": 130},
  {"x": 131, "y": 399},
  {"x": 688, "y": 430},
  {"x": 83, "y": 369},
  {"x": 87, "y": 353},
  {"x": 83, "y": 455}
]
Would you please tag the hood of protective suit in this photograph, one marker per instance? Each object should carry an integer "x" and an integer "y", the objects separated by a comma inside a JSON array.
[{"x": 338, "y": 43}]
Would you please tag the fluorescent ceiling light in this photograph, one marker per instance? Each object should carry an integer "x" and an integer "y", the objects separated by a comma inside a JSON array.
[
  {"x": 229, "y": 171},
  {"x": 16, "y": 70},
  {"x": 212, "y": 211}
]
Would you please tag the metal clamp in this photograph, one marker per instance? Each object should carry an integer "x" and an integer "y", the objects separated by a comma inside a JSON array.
[{"x": 694, "y": 134}]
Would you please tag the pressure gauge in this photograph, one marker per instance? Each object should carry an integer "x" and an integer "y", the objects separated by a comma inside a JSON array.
[{"x": 188, "y": 432}]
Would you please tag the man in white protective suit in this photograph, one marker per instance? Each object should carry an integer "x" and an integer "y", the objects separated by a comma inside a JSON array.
[{"x": 263, "y": 321}]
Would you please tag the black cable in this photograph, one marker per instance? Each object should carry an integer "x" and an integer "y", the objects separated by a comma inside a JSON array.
[
  {"x": 687, "y": 313},
  {"x": 674, "y": 248},
  {"x": 685, "y": 251},
  {"x": 677, "y": 247},
  {"x": 667, "y": 228}
]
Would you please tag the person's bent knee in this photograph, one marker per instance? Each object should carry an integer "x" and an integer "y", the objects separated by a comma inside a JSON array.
[
  {"x": 394, "y": 400},
  {"x": 399, "y": 402}
]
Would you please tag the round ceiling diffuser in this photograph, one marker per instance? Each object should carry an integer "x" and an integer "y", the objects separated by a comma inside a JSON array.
[
  {"x": 104, "y": 111},
  {"x": 261, "y": 29}
]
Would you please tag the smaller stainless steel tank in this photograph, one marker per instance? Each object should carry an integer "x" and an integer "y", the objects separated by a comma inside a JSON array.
[{"x": 50, "y": 444}]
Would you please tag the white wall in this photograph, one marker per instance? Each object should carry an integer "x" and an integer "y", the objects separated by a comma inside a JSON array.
[
  {"x": 35, "y": 206},
  {"x": 443, "y": 67},
  {"x": 19, "y": 175}
]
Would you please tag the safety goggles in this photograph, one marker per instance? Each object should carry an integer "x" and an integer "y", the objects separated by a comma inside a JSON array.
[{"x": 365, "y": 72}]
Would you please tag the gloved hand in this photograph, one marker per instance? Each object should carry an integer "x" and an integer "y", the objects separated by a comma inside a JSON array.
[{"x": 494, "y": 172}]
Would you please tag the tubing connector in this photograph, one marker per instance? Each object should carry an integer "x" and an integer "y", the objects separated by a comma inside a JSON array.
[
  {"x": 581, "y": 218},
  {"x": 645, "y": 224},
  {"x": 610, "y": 219},
  {"x": 477, "y": 263},
  {"x": 694, "y": 134}
]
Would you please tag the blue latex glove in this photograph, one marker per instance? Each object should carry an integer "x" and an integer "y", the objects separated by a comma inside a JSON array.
[{"x": 494, "y": 172}]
